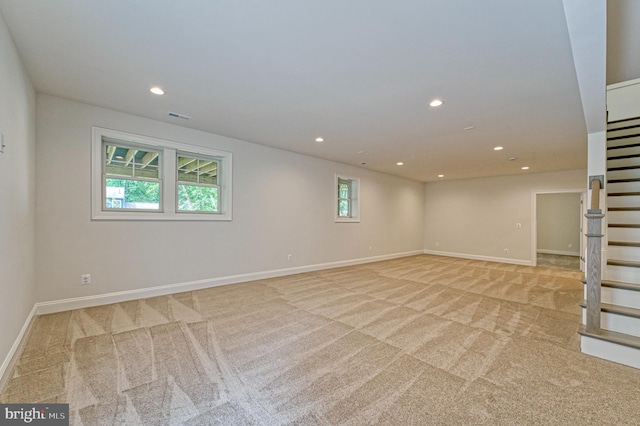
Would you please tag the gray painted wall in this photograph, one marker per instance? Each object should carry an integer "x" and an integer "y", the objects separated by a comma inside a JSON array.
[
  {"x": 17, "y": 193},
  {"x": 282, "y": 204},
  {"x": 478, "y": 217},
  {"x": 558, "y": 219}
]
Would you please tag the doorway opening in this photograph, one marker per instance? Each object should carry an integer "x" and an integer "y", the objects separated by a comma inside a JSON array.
[{"x": 558, "y": 237}]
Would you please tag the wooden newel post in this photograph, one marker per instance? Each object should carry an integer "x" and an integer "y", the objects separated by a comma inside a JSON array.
[
  {"x": 594, "y": 256},
  {"x": 594, "y": 253}
]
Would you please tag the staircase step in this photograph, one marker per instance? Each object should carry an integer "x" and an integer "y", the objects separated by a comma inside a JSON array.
[
  {"x": 631, "y": 135},
  {"x": 624, "y": 252},
  {"x": 622, "y": 186},
  {"x": 615, "y": 309},
  {"x": 617, "y": 152},
  {"x": 627, "y": 160},
  {"x": 620, "y": 285},
  {"x": 616, "y": 318},
  {"x": 616, "y": 284},
  {"x": 623, "y": 157},
  {"x": 624, "y": 225},
  {"x": 625, "y": 274},
  {"x": 624, "y": 209},
  {"x": 623, "y": 234},
  {"x": 613, "y": 169},
  {"x": 627, "y": 145},
  {"x": 623, "y": 194},
  {"x": 623, "y": 216},
  {"x": 624, "y": 243},
  {"x": 623, "y": 174},
  {"x": 610, "y": 345},
  {"x": 626, "y": 263},
  {"x": 627, "y": 201},
  {"x": 622, "y": 122},
  {"x": 625, "y": 126},
  {"x": 613, "y": 337},
  {"x": 619, "y": 293}
]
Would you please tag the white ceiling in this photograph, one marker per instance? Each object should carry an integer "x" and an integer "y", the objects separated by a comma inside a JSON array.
[{"x": 359, "y": 73}]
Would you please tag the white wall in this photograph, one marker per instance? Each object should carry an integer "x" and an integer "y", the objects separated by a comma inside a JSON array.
[
  {"x": 282, "y": 204},
  {"x": 558, "y": 223},
  {"x": 587, "y": 26},
  {"x": 17, "y": 195},
  {"x": 477, "y": 218},
  {"x": 622, "y": 100}
]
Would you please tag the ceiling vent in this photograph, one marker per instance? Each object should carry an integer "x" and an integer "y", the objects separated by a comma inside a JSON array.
[{"x": 176, "y": 115}]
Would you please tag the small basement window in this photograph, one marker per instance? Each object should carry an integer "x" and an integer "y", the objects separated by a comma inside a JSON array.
[{"x": 347, "y": 200}]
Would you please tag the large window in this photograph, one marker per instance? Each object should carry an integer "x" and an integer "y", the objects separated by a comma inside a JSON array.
[
  {"x": 141, "y": 178},
  {"x": 347, "y": 200}
]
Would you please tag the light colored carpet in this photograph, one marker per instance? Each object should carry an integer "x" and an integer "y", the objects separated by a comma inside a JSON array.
[{"x": 422, "y": 340}]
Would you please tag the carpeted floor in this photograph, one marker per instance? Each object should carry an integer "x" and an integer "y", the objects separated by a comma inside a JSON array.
[{"x": 422, "y": 340}]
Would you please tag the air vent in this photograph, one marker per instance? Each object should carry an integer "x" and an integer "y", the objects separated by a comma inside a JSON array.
[{"x": 176, "y": 115}]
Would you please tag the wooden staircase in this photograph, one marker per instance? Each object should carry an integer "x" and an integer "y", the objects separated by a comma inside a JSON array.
[
  {"x": 623, "y": 201},
  {"x": 619, "y": 337}
]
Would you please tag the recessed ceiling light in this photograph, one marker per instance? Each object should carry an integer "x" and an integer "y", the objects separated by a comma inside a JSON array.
[
  {"x": 156, "y": 90},
  {"x": 363, "y": 163},
  {"x": 435, "y": 103},
  {"x": 469, "y": 127},
  {"x": 512, "y": 159},
  {"x": 319, "y": 139},
  {"x": 440, "y": 175},
  {"x": 400, "y": 163},
  {"x": 360, "y": 152},
  {"x": 525, "y": 167},
  {"x": 498, "y": 148}
]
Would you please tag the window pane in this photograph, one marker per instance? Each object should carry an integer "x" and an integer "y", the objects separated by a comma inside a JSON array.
[
  {"x": 197, "y": 198},
  {"x": 343, "y": 208},
  {"x": 197, "y": 170},
  {"x": 343, "y": 189},
  {"x": 132, "y": 194},
  {"x": 131, "y": 162}
]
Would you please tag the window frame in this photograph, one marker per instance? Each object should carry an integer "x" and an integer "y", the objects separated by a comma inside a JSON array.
[
  {"x": 168, "y": 176},
  {"x": 354, "y": 199}
]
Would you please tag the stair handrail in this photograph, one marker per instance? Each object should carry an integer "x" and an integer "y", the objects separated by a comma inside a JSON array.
[
  {"x": 595, "y": 187},
  {"x": 594, "y": 255}
]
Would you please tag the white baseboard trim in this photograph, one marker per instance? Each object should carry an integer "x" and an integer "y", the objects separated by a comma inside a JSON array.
[
  {"x": 9, "y": 359},
  {"x": 142, "y": 293},
  {"x": 559, "y": 252},
  {"x": 479, "y": 257}
]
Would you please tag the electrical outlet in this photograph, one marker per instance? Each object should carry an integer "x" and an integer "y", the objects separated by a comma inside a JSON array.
[
  {"x": 437, "y": 244},
  {"x": 85, "y": 279},
  {"x": 2, "y": 145},
  {"x": 506, "y": 251},
  {"x": 289, "y": 257}
]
